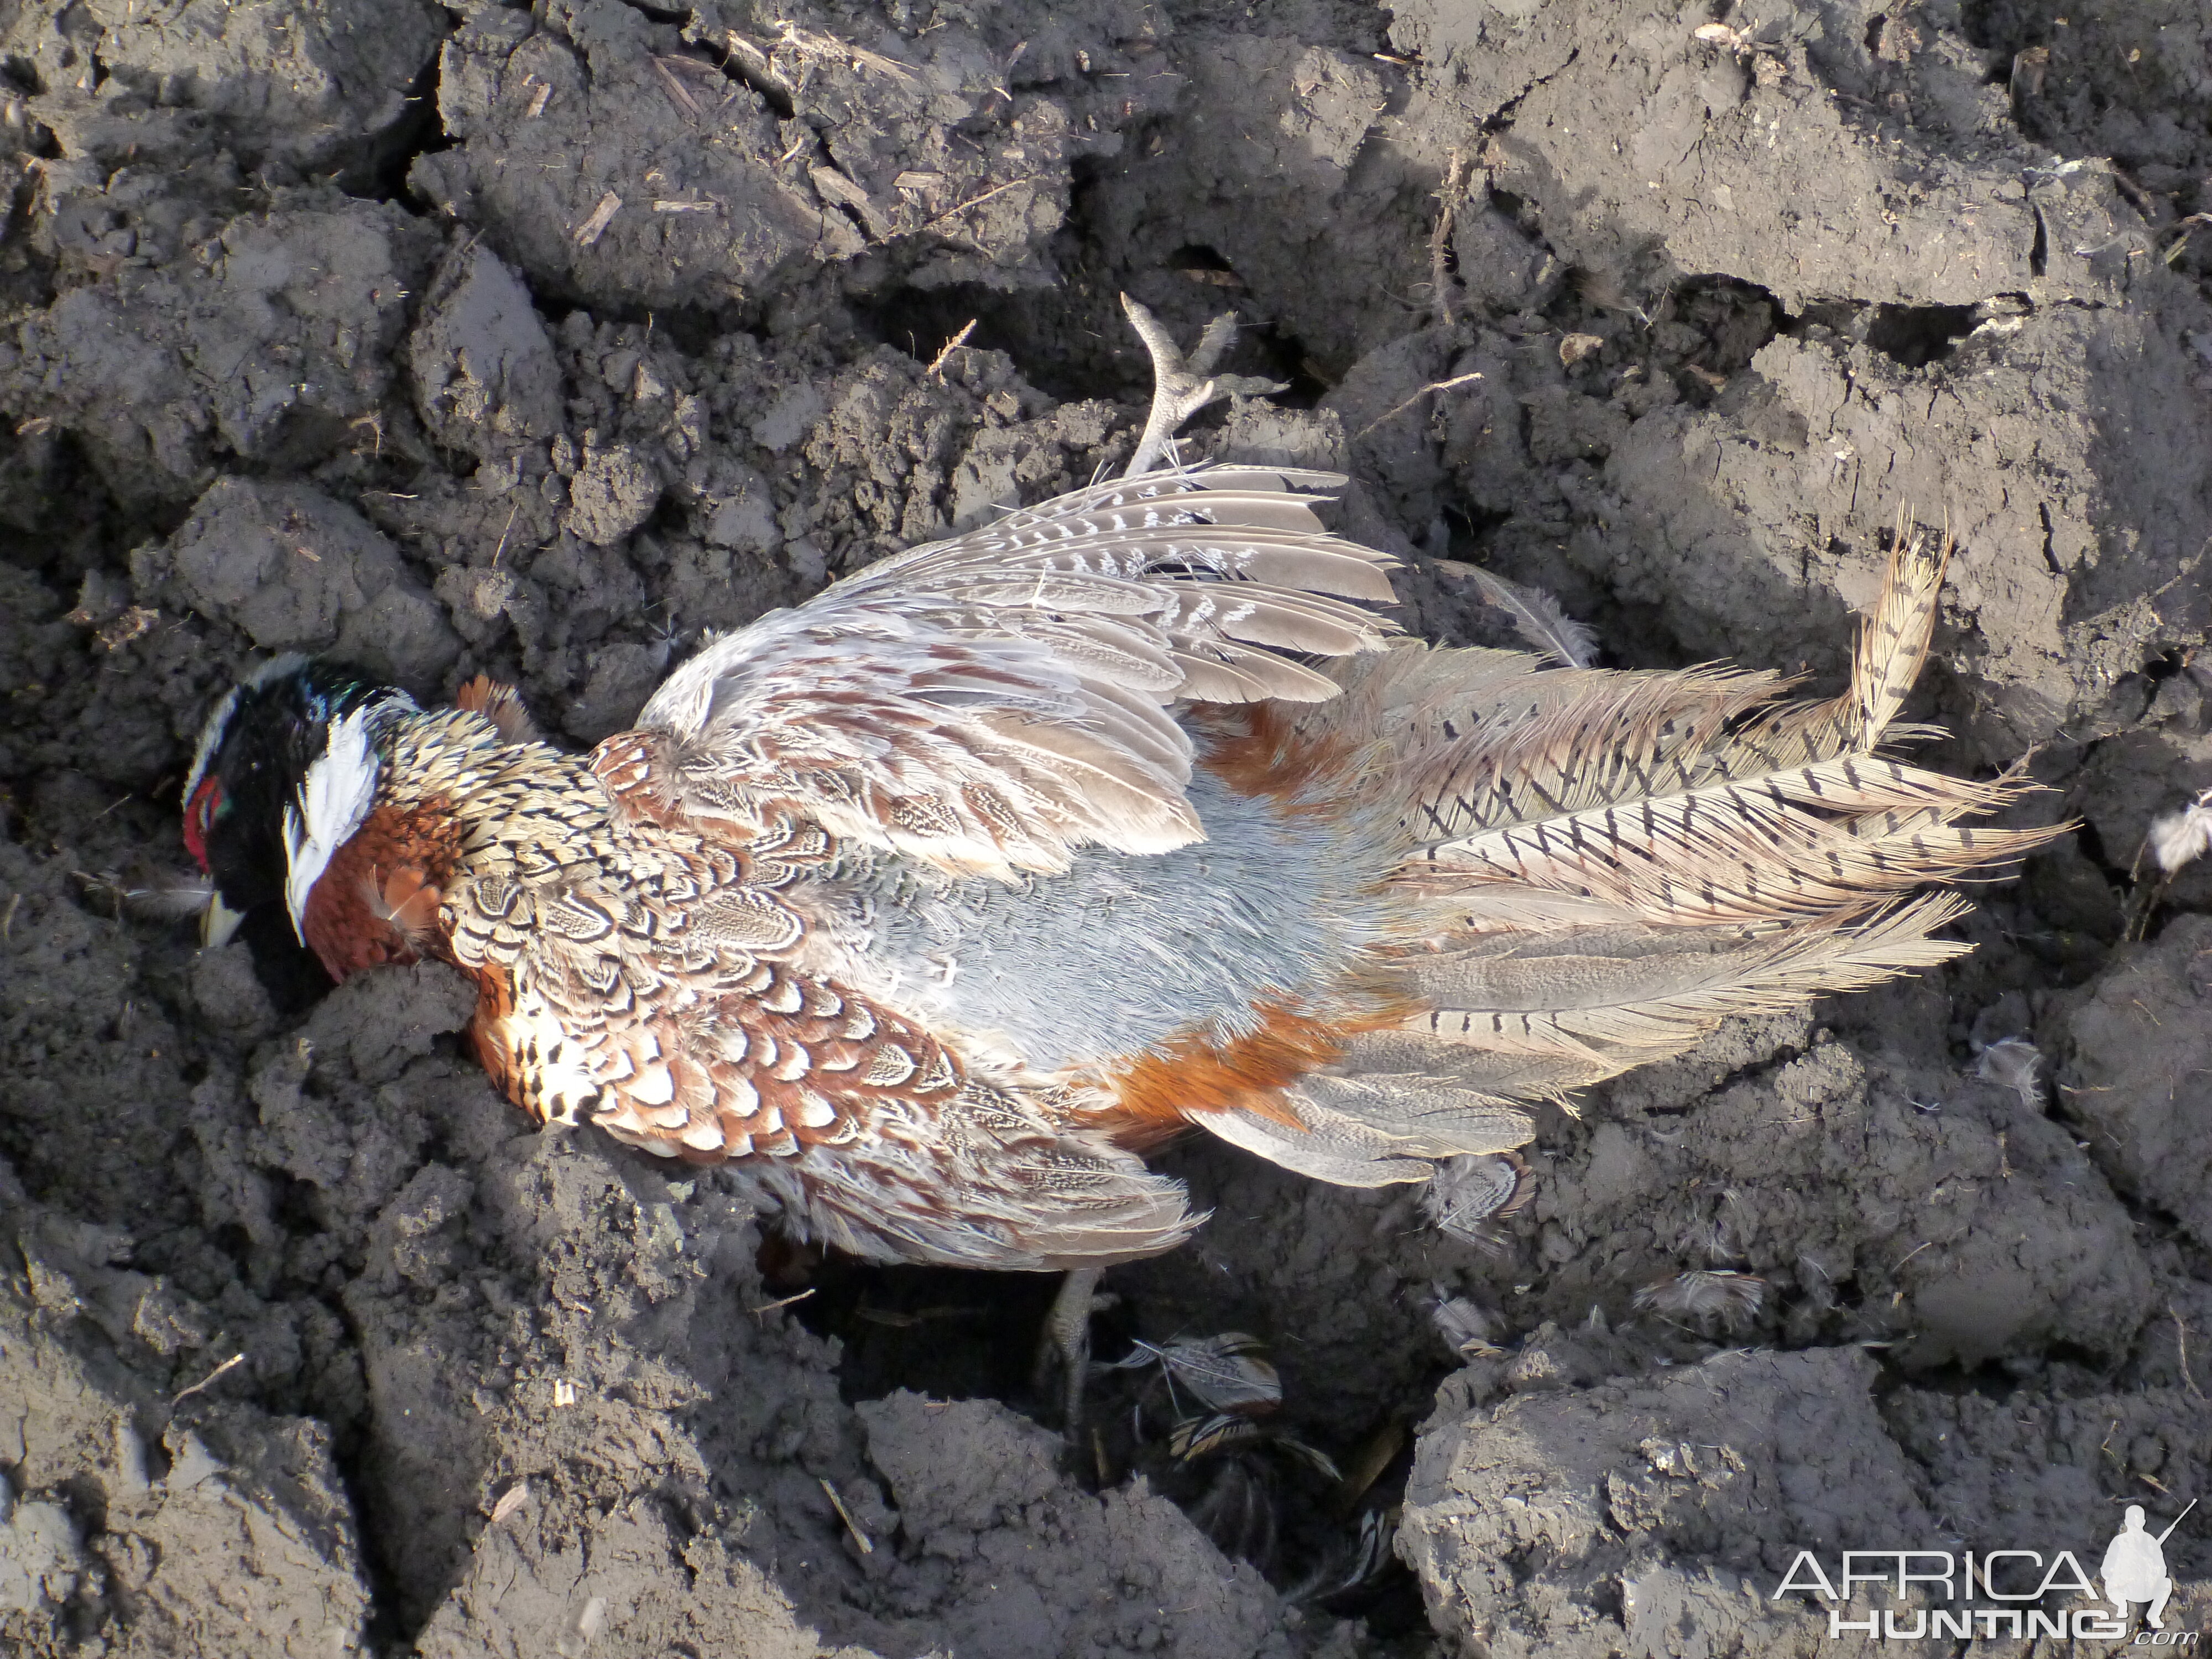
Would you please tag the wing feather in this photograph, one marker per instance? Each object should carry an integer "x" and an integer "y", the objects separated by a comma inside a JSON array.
[{"x": 991, "y": 702}]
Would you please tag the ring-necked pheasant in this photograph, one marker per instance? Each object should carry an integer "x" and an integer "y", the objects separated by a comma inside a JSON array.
[{"x": 937, "y": 899}]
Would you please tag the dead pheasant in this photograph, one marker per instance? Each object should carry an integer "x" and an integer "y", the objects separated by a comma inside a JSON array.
[{"x": 934, "y": 902}]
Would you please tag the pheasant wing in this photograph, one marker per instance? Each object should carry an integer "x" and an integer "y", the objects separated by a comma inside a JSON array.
[{"x": 992, "y": 702}]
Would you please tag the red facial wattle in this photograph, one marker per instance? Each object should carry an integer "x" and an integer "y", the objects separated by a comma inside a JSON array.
[{"x": 199, "y": 819}]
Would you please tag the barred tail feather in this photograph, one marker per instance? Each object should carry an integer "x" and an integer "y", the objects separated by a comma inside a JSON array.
[
  {"x": 1893, "y": 646},
  {"x": 1597, "y": 868}
]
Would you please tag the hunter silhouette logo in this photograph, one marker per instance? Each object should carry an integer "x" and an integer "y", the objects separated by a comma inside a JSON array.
[
  {"x": 1956, "y": 1592},
  {"x": 2135, "y": 1567}
]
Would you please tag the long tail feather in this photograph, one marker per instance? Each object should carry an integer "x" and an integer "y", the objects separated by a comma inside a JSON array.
[
  {"x": 1599, "y": 868},
  {"x": 1893, "y": 645}
]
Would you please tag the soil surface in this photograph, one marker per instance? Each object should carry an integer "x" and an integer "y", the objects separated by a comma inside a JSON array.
[{"x": 538, "y": 341}]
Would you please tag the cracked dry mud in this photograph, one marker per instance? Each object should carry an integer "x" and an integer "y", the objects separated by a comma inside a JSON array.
[{"x": 536, "y": 341}]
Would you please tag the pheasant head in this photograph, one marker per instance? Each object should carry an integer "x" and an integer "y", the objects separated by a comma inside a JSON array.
[{"x": 286, "y": 771}]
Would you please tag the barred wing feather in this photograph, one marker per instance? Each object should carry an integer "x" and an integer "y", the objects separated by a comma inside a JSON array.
[{"x": 992, "y": 702}]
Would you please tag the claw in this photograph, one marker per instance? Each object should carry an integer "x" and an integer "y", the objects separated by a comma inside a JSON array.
[{"x": 1183, "y": 386}]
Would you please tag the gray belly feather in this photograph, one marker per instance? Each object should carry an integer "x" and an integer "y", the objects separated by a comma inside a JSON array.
[{"x": 1123, "y": 952}]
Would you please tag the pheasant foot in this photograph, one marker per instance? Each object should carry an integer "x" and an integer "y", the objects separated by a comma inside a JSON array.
[
  {"x": 1182, "y": 385},
  {"x": 1064, "y": 1343}
]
